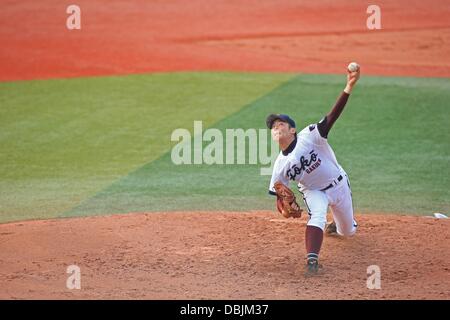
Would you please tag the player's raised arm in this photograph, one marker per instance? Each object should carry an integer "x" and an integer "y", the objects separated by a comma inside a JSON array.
[{"x": 327, "y": 122}]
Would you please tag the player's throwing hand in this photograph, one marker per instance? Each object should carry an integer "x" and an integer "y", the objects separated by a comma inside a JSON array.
[{"x": 352, "y": 78}]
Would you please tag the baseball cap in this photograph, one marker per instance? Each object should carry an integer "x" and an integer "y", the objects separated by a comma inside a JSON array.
[{"x": 282, "y": 117}]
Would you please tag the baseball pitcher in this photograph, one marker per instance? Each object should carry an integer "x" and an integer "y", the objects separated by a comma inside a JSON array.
[{"x": 307, "y": 158}]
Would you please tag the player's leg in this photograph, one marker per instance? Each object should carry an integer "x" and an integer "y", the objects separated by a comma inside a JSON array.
[
  {"x": 341, "y": 205},
  {"x": 316, "y": 203}
]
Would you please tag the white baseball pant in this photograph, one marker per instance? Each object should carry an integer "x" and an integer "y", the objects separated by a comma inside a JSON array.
[{"x": 339, "y": 198}]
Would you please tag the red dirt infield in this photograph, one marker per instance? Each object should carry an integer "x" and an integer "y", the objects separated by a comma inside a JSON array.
[
  {"x": 138, "y": 36},
  {"x": 221, "y": 255}
]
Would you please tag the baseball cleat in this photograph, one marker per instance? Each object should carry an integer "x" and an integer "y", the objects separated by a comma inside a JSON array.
[
  {"x": 312, "y": 267},
  {"x": 331, "y": 229}
]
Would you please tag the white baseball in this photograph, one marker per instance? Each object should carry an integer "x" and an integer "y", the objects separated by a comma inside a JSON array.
[{"x": 353, "y": 66}]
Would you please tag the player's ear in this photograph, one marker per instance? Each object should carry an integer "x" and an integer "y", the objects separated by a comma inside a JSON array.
[{"x": 292, "y": 130}]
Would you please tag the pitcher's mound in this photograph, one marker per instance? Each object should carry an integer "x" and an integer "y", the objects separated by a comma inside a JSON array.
[{"x": 221, "y": 255}]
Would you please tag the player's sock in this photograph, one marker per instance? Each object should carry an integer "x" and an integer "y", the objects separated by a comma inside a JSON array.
[
  {"x": 312, "y": 257},
  {"x": 313, "y": 241}
]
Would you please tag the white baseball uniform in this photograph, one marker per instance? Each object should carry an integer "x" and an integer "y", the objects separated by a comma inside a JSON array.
[{"x": 311, "y": 162}]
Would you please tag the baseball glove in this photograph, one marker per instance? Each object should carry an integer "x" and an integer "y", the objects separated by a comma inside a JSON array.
[{"x": 286, "y": 203}]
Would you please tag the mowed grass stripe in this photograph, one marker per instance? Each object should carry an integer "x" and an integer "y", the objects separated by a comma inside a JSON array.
[
  {"x": 393, "y": 140},
  {"x": 62, "y": 141}
]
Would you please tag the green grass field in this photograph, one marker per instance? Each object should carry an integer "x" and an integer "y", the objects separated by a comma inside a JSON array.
[{"x": 102, "y": 145}]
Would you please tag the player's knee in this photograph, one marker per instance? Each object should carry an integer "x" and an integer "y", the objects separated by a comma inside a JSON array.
[
  {"x": 347, "y": 232},
  {"x": 318, "y": 220}
]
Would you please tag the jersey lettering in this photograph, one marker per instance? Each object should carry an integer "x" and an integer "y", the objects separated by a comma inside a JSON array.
[{"x": 304, "y": 165}]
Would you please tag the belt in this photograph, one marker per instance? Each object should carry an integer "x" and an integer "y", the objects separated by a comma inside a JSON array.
[{"x": 331, "y": 185}]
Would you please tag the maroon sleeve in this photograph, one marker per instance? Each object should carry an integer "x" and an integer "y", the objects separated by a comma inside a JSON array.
[{"x": 327, "y": 122}]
